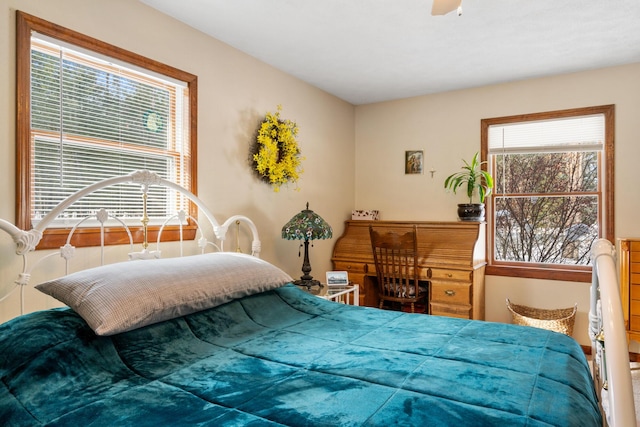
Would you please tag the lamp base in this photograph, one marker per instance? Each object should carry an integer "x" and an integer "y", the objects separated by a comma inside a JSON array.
[
  {"x": 307, "y": 279},
  {"x": 307, "y": 282}
]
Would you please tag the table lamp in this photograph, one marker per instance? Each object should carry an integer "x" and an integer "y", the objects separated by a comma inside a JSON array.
[{"x": 308, "y": 226}]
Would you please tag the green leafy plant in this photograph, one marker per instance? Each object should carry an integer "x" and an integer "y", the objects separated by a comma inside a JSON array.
[{"x": 473, "y": 178}]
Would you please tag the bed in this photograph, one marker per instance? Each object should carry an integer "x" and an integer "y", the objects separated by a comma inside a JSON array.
[{"x": 225, "y": 339}]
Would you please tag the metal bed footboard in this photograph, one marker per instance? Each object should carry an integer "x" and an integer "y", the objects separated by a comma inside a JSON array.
[{"x": 607, "y": 330}]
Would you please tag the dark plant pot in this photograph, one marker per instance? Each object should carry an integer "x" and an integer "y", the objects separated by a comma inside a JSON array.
[{"x": 471, "y": 211}]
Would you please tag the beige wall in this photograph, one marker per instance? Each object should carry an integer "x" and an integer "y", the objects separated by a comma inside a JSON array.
[
  {"x": 447, "y": 127},
  {"x": 234, "y": 91}
]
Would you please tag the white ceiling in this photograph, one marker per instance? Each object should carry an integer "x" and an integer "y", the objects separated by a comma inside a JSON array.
[{"x": 366, "y": 51}]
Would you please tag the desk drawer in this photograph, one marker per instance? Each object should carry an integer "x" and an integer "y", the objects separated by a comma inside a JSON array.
[
  {"x": 461, "y": 311},
  {"x": 351, "y": 267},
  {"x": 450, "y": 293},
  {"x": 635, "y": 307},
  {"x": 635, "y": 292},
  {"x": 447, "y": 274}
]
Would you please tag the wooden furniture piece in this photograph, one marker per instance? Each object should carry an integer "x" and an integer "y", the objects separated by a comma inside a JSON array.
[
  {"x": 451, "y": 255},
  {"x": 629, "y": 264},
  {"x": 395, "y": 258}
]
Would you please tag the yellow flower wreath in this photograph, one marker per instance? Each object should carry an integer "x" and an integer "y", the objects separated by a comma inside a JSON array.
[{"x": 277, "y": 159}]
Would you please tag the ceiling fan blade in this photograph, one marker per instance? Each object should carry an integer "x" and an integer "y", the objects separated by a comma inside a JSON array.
[{"x": 442, "y": 7}]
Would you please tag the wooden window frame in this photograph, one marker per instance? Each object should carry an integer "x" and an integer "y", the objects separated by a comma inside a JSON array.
[
  {"x": 54, "y": 238},
  {"x": 550, "y": 271}
]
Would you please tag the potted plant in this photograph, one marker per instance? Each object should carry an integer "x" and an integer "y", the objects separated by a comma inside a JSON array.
[{"x": 476, "y": 182}]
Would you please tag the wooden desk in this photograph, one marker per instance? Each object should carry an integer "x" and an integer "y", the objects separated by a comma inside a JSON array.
[{"x": 452, "y": 259}]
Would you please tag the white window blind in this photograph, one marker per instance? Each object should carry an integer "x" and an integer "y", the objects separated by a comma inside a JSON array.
[
  {"x": 584, "y": 133},
  {"x": 93, "y": 119}
]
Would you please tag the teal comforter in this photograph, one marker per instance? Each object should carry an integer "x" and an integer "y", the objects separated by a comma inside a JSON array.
[{"x": 285, "y": 357}]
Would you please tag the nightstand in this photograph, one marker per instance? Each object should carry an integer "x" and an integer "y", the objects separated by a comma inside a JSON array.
[{"x": 349, "y": 294}]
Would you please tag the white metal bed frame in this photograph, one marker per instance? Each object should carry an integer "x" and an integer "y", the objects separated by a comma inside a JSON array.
[
  {"x": 610, "y": 348},
  {"x": 26, "y": 241}
]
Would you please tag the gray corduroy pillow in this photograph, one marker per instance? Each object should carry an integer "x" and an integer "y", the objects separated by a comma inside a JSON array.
[{"x": 128, "y": 295}]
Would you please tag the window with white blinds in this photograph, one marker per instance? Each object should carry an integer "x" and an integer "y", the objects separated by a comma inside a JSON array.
[
  {"x": 553, "y": 192},
  {"x": 94, "y": 118}
]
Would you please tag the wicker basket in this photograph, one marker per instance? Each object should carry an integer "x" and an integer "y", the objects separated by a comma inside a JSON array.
[{"x": 558, "y": 320}]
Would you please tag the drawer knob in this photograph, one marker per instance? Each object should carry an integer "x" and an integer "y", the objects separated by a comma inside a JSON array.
[
  {"x": 449, "y": 275},
  {"x": 450, "y": 292}
]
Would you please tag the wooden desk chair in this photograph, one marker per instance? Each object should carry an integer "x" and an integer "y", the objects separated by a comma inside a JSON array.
[{"x": 395, "y": 257}]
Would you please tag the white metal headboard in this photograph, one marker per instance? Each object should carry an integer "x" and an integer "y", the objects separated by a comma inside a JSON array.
[
  {"x": 27, "y": 241},
  {"x": 609, "y": 339}
]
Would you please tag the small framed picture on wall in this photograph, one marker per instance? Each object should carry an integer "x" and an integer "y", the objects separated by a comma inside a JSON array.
[{"x": 413, "y": 162}]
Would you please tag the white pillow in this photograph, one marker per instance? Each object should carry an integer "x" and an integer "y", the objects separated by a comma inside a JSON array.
[{"x": 128, "y": 295}]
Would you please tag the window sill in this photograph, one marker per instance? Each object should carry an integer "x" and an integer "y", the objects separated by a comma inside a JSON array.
[
  {"x": 87, "y": 237},
  {"x": 547, "y": 273}
]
